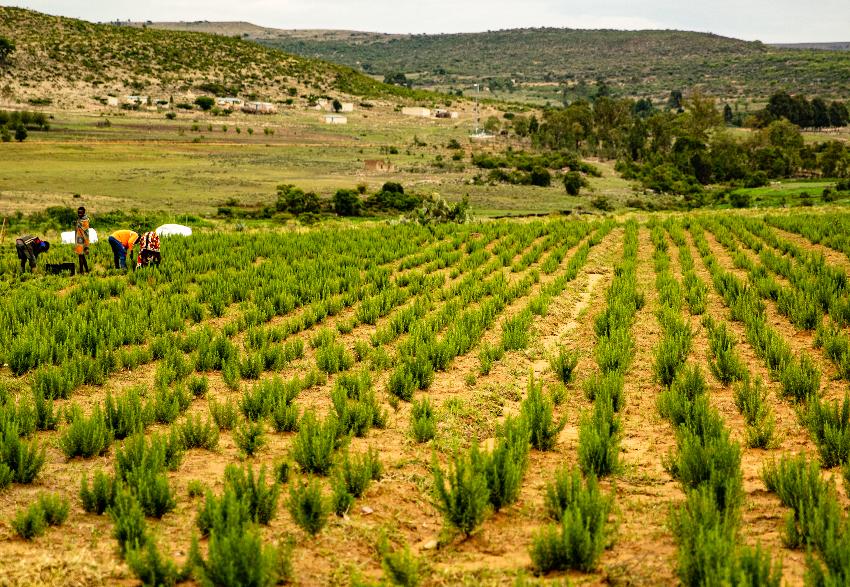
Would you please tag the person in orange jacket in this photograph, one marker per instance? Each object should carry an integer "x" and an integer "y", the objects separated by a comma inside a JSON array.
[{"x": 122, "y": 242}]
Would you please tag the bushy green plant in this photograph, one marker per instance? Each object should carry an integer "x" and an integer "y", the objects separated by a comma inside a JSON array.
[
  {"x": 55, "y": 508},
  {"x": 829, "y": 425},
  {"x": 725, "y": 364},
  {"x": 711, "y": 461},
  {"x": 678, "y": 403},
  {"x": 130, "y": 529},
  {"x": 670, "y": 355},
  {"x": 505, "y": 467},
  {"x": 30, "y": 523},
  {"x": 465, "y": 500},
  {"x": 86, "y": 436},
  {"x": 195, "y": 433},
  {"x": 537, "y": 413},
  {"x": 801, "y": 379},
  {"x": 20, "y": 461},
  {"x": 606, "y": 387},
  {"x": 224, "y": 414},
  {"x": 401, "y": 566},
  {"x": 126, "y": 414},
  {"x": 308, "y": 506},
  {"x": 151, "y": 568},
  {"x": 98, "y": 497},
  {"x": 423, "y": 422},
  {"x": 198, "y": 386},
  {"x": 751, "y": 400},
  {"x": 285, "y": 417},
  {"x": 250, "y": 437},
  {"x": 314, "y": 445},
  {"x": 261, "y": 498},
  {"x": 599, "y": 441},
  {"x": 563, "y": 365}
]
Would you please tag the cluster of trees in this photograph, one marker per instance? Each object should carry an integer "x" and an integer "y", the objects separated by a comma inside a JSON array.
[
  {"x": 798, "y": 110},
  {"x": 6, "y": 50},
  {"x": 682, "y": 150},
  {"x": 521, "y": 168},
  {"x": 347, "y": 202},
  {"x": 17, "y": 122}
]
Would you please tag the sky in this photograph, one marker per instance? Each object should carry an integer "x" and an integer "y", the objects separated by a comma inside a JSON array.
[{"x": 771, "y": 21}]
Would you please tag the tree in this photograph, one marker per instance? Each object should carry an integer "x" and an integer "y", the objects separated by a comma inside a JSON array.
[
  {"x": 346, "y": 203},
  {"x": 701, "y": 115},
  {"x": 838, "y": 115},
  {"x": 674, "y": 102},
  {"x": 337, "y": 105},
  {"x": 396, "y": 79},
  {"x": 728, "y": 116},
  {"x": 204, "y": 102},
  {"x": 573, "y": 182},
  {"x": 20, "y": 133},
  {"x": 6, "y": 50},
  {"x": 820, "y": 113}
]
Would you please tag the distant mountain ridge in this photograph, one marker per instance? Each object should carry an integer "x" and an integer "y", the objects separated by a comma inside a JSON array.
[{"x": 634, "y": 63}]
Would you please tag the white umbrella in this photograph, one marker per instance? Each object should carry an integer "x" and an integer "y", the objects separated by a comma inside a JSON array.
[{"x": 173, "y": 230}]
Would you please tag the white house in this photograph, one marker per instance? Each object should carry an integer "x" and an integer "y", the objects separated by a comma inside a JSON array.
[
  {"x": 335, "y": 119},
  {"x": 111, "y": 101},
  {"x": 229, "y": 103},
  {"x": 259, "y": 108},
  {"x": 416, "y": 111},
  {"x": 347, "y": 107}
]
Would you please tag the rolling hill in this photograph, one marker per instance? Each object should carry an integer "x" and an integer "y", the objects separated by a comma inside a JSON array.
[
  {"x": 63, "y": 59},
  {"x": 634, "y": 63}
]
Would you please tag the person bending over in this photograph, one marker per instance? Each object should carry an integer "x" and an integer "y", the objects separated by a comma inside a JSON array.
[
  {"x": 149, "y": 250},
  {"x": 29, "y": 248},
  {"x": 122, "y": 242}
]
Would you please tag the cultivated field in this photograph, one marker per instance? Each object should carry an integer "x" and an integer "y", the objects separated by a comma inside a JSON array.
[{"x": 684, "y": 361}]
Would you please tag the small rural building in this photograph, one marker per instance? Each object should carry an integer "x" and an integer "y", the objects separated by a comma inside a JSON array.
[
  {"x": 259, "y": 108},
  {"x": 440, "y": 113},
  {"x": 416, "y": 111},
  {"x": 111, "y": 101},
  {"x": 378, "y": 165},
  {"x": 136, "y": 100},
  {"x": 347, "y": 107},
  {"x": 229, "y": 103},
  {"x": 335, "y": 119}
]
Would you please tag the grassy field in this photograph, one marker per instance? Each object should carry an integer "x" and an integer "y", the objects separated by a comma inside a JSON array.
[{"x": 196, "y": 163}]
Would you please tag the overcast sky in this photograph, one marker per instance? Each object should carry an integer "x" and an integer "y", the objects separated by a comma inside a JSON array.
[{"x": 764, "y": 20}]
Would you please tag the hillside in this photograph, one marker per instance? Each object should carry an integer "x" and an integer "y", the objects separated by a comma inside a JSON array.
[
  {"x": 62, "y": 59},
  {"x": 635, "y": 63}
]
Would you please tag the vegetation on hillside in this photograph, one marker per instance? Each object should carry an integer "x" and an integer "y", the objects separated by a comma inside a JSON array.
[
  {"x": 632, "y": 63},
  {"x": 55, "y": 50}
]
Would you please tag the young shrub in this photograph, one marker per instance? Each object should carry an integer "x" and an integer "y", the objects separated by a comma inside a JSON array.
[
  {"x": 285, "y": 417},
  {"x": 579, "y": 539},
  {"x": 606, "y": 387},
  {"x": 249, "y": 437},
  {"x": 55, "y": 508},
  {"x": 235, "y": 552},
  {"x": 713, "y": 462},
  {"x": 308, "y": 507},
  {"x": 20, "y": 461},
  {"x": 800, "y": 380},
  {"x": 678, "y": 403},
  {"x": 195, "y": 488},
  {"x": 46, "y": 417},
  {"x": 614, "y": 352},
  {"x": 126, "y": 414},
  {"x": 599, "y": 441},
  {"x": 563, "y": 365},
  {"x": 402, "y": 383},
  {"x": 194, "y": 433},
  {"x": 315, "y": 443},
  {"x": 537, "y": 412},
  {"x": 30, "y": 523},
  {"x": 464, "y": 501},
  {"x": 706, "y": 535},
  {"x": 282, "y": 470},
  {"x": 751, "y": 400},
  {"x": 725, "y": 364},
  {"x": 516, "y": 331},
  {"x": 333, "y": 358},
  {"x": 488, "y": 355},
  {"x": 671, "y": 355},
  {"x": 829, "y": 425},
  {"x": 260, "y": 497},
  {"x": 101, "y": 495},
  {"x": 423, "y": 422},
  {"x": 505, "y": 467},
  {"x": 224, "y": 414},
  {"x": 129, "y": 529},
  {"x": 86, "y": 437},
  {"x": 401, "y": 566},
  {"x": 198, "y": 386},
  {"x": 151, "y": 568}
]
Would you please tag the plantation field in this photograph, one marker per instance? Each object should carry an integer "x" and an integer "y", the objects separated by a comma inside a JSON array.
[
  {"x": 402, "y": 404},
  {"x": 196, "y": 163}
]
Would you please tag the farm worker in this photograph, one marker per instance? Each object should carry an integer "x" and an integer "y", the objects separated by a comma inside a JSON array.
[
  {"x": 81, "y": 238},
  {"x": 122, "y": 242},
  {"x": 29, "y": 248},
  {"x": 148, "y": 250}
]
